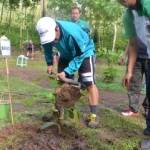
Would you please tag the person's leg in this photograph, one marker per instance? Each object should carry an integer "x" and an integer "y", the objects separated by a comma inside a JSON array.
[
  {"x": 27, "y": 53},
  {"x": 86, "y": 74},
  {"x": 134, "y": 90},
  {"x": 145, "y": 105},
  {"x": 32, "y": 53},
  {"x": 147, "y": 75},
  {"x": 135, "y": 87}
]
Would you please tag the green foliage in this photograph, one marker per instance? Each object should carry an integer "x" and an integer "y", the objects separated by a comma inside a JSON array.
[
  {"x": 49, "y": 96},
  {"x": 14, "y": 35},
  {"x": 110, "y": 56},
  {"x": 102, "y": 15},
  {"x": 115, "y": 86},
  {"x": 109, "y": 74}
]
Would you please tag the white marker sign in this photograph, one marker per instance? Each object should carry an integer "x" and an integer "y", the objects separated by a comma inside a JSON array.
[{"x": 5, "y": 47}]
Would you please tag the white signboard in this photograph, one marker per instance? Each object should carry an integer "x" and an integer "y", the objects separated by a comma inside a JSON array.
[{"x": 5, "y": 47}]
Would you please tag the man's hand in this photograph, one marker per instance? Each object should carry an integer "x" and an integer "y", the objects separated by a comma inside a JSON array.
[
  {"x": 126, "y": 80},
  {"x": 61, "y": 75},
  {"x": 50, "y": 69}
]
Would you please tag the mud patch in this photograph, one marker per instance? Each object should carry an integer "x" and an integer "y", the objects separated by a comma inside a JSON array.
[
  {"x": 111, "y": 136},
  {"x": 49, "y": 139}
]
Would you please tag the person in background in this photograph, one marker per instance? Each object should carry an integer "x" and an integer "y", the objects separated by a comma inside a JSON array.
[
  {"x": 30, "y": 49},
  {"x": 75, "y": 17}
]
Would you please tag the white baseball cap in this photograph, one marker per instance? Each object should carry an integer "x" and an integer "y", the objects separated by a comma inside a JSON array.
[{"x": 46, "y": 29}]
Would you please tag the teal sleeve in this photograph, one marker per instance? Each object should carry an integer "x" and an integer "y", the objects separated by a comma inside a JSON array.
[
  {"x": 129, "y": 27},
  {"x": 48, "y": 53},
  {"x": 146, "y": 7},
  {"x": 86, "y": 27},
  {"x": 74, "y": 64}
]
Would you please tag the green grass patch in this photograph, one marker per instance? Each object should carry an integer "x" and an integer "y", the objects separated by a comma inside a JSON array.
[
  {"x": 115, "y": 132},
  {"x": 114, "y": 85}
]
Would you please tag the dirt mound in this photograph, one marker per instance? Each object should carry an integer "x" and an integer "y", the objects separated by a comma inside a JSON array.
[
  {"x": 11, "y": 130},
  {"x": 67, "y": 95},
  {"x": 50, "y": 140}
]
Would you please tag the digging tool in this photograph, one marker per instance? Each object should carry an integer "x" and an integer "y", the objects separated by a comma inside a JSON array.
[{"x": 66, "y": 80}]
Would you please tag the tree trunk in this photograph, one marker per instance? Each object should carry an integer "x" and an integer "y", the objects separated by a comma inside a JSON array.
[
  {"x": 43, "y": 7},
  {"x": 7, "y": 16},
  {"x": 2, "y": 11},
  {"x": 115, "y": 37},
  {"x": 21, "y": 36},
  {"x": 25, "y": 20},
  {"x": 10, "y": 14}
]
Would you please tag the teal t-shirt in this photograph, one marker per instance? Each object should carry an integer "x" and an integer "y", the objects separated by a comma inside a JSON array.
[
  {"x": 83, "y": 24},
  {"x": 74, "y": 46}
]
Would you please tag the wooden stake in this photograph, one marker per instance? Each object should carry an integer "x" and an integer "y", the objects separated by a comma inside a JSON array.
[{"x": 10, "y": 99}]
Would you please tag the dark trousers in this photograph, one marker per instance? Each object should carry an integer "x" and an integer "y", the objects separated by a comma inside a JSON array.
[
  {"x": 136, "y": 84},
  {"x": 147, "y": 76},
  {"x": 86, "y": 71}
]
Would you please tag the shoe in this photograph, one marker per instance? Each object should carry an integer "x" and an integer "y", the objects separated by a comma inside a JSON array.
[
  {"x": 146, "y": 131},
  {"x": 129, "y": 112},
  {"x": 93, "y": 121}
]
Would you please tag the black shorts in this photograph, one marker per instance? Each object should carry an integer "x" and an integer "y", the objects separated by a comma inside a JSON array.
[
  {"x": 86, "y": 71},
  {"x": 29, "y": 49}
]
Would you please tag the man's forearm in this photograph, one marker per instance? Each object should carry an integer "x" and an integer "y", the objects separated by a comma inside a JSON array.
[{"x": 132, "y": 55}]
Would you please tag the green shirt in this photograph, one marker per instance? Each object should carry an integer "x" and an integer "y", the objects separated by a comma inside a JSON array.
[
  {"x": 143, "y": 9},
  {"x": 137, "y": 23}
]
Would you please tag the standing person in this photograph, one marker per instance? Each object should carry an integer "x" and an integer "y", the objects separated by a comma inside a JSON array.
[
  {"x": 30, "y": 49},
  {"x": 75, "y": 17},
  {"x": 137, "y": 25},
  {"x": 135, "y": 85},
  {"x": 76, "y": 54}
]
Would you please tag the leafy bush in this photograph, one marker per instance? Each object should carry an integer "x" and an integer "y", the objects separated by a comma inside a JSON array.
[
  {"x": 110, "y": 56},
  {"x": 109, "y": 74}
]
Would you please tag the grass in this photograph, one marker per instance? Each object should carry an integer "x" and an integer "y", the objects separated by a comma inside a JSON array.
[
  {"x": 116, "y": 84},
  {"x": 115, "y": 132}
]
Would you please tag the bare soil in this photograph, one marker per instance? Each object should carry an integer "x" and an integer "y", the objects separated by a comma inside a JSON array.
[{"x": 33, "y": 139}]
